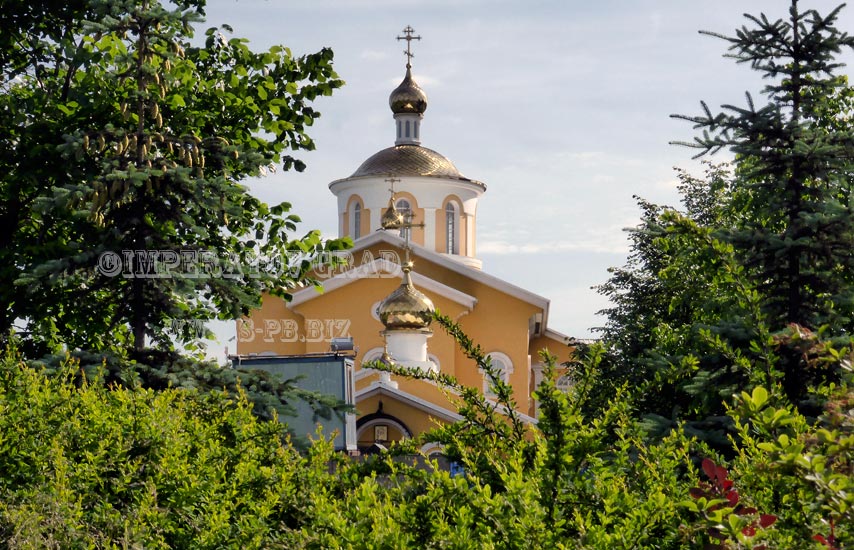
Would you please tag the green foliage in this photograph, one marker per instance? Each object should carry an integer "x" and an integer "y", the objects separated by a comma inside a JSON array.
[
  {"x": 269, "y": 395},
  {"x": 709, "y": 295},
  {"x": 119, "y": 135},
  {"x": 85, "y": 465}
]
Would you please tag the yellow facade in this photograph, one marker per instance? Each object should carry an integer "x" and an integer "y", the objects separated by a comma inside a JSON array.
[{"x": 499, "y": 317}]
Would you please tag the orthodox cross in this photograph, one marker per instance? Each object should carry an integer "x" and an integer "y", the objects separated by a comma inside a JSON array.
[
  {"x": 409, "y": 38},
  {"x": 392, "y": 181}
]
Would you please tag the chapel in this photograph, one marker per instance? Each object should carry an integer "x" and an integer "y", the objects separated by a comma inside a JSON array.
[{"x": 412, "y": 216}]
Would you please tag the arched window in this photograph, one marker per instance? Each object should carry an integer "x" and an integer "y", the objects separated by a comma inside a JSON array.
[
  {"x": 451, "y": 229},
  {"x": 502, "y": 366},
  {"x": 407, "y": 128},
  {"x": 357, "y": 221},
  {"x": 404, "y": 208}
]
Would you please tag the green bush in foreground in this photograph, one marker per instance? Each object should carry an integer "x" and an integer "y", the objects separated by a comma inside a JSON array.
[{"x": 83, "y": 465}]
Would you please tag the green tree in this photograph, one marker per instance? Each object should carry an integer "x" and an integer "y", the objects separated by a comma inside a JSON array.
[
  {"x": 764, "y": 244},
  {"x": 142, "y": 140},
  {"x": 795, "y": 239}
]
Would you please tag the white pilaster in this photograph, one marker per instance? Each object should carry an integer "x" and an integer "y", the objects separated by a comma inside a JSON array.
[
  {"x": 430, "y": 228},
  {"x": 469, "y": 235}
]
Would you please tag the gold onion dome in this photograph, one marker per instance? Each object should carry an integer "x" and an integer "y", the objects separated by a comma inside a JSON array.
[
  {"x": 406, "y": 307},
  {"x": 408, "y": 97},
  {"x": 392, "y": 218}
]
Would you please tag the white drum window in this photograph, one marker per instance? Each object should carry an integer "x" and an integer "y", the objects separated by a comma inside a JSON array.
[
  {"x": 405, "y": 209},
  {"x": 451, "y": 229},
  {"x": 357, "y": 221}
]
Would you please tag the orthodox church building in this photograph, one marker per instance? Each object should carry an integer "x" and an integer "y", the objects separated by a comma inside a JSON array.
[{"x": 412, "y": 217}]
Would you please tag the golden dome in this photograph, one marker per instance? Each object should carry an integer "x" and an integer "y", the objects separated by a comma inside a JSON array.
[
  {"x": 406, "y": 307},
  {"x": 392, "y": 218},
  {"x": 408, "y": 97},
  {"x": 408, "y": 160}
]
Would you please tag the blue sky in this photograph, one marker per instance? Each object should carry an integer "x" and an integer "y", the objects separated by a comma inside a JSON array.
[{"x": 560, "y": 107}]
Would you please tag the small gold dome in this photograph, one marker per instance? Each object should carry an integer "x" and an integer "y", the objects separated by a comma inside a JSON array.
[
  {"x": 406, "y": 307},
  {"x": 408, "y": 97},
  {"x": 392, "y": 218}
]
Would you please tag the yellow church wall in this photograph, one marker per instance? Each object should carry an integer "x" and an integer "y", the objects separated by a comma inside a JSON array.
[
  {"x": 272, "y": 328},
  {"x": 499, "y": 323},
  {"x": 365, "y": 224},
  {"x": 347, "y": 312},
  {"x": 345, "y": 222},
  {"x": 559, "y": 349}
]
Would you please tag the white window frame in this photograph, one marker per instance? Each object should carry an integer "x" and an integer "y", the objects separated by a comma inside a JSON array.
[
  {"x": 505, "y": 372},
  {"x": 452, "y": 228},
  {"x": 406, "y": 211}
]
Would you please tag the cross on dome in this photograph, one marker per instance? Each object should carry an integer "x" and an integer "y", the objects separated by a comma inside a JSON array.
[{"x": 409, "y": 38}]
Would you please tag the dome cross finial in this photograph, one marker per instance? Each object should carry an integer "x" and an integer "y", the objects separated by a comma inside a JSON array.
[{"x": 409, "y": 38}]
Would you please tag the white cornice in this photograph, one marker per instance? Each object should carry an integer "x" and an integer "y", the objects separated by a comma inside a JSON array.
[
  {"x": 464, "y": 183},
  {"x": 557, "y": 336},
  {"x": 457, "y": 267},
  {"x": 384, "y": 389},
  {"x": 381, "y": 267}
]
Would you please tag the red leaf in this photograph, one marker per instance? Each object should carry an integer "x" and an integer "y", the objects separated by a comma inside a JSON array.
[
  {"x": 696, "y": 492},
  {"x": 709, "y": 468},
  {"x": 760, "y": 547},
  {"x": 732, "y": 497},
  {"x": 727, "y": 483},
  {"x": 821, "y": 539},
  {"x": 746, "y": 511},
  {"x": 748, "y": 531},
  {"x": 766, "y": 520},
  {"x": 721, "y": 473}
]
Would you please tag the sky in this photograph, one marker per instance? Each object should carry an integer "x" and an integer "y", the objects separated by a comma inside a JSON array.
[{"x": 561, "y": 107}]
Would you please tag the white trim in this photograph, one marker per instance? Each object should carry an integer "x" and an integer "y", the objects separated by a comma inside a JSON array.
[
  {"x": 463, "y": 182},
  {"x": 557, "y": 336},
  {"x": 431, "y": 447},
  {"x": 377, "y": 388},
  {"x": 380, "y": 265},
  {"x": 371, "y": 355},
  {"x": 375, "y": 421},
  {"x": 457, "y": 267},
  {"x": 503, "y": 373},
  {"x": 430, "y": 228}
]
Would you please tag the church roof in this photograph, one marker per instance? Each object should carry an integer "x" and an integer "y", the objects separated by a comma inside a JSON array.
[{"x": 408, "y": 160}]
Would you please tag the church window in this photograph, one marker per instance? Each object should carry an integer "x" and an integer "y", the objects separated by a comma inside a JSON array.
[
  {"x": 502, "y": 366},
  {"x": 404, "y": 208},
  {"x": 417, "y": 127},
  {"x": 407, "y": 128},
  {"x": 451, "y": 229},
  {"x": 398, "y": 129},
  {"x": 357, "y": 221}
]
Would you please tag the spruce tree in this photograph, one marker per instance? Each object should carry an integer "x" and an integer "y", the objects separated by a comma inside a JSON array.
[
  {"x": 129, "y": 142},
  {"x": 796, "y": 234},
  {"x": 757, "y": 247}
]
